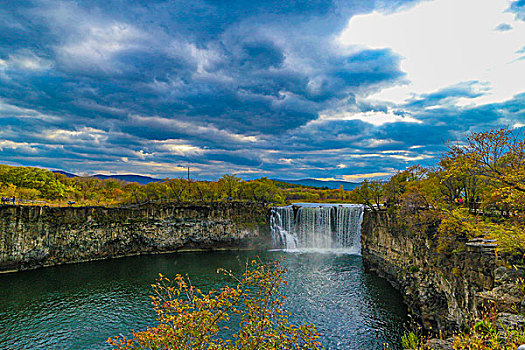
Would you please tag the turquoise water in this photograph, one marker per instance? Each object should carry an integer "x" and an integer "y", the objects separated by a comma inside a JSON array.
[{"x": 79, "y": 306}]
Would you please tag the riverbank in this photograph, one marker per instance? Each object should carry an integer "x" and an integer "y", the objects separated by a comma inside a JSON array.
[{"x": 34, "y": 236}]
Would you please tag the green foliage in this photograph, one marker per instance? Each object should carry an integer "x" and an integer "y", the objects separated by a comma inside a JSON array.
[
  {"x": 456, "y": 227},
  {"x": 489, "y": 168},
  {"x": 33, "y": 183},
  {"x": 41, "y": 180},
  {"x": 410, "y": 340},
  {"x": 413, "y": 269},
  {"x": 191, "y": 319},
  {"x": 229, "y": 186},
  {"x": 485, "y": 335},
  {"x": 369, "y": 193},
  {"x": 262, "y": 190}
]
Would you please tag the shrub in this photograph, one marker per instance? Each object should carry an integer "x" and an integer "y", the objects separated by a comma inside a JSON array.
[
  {"x": 190, "y": 319},
  {"x": 413, "y": 269},
  {"x": 410, "y": 341}
]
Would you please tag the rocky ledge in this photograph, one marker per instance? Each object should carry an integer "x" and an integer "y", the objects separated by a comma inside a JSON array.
[
  {"x": 33, "y": 236},
  {"x": 446, "y": 291}
]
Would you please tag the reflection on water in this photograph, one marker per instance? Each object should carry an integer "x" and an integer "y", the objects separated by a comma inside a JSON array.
[{"x": 79, "y": 306}]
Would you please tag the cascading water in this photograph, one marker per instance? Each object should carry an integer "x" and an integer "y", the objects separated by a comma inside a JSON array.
[
  {"x": 318, "y": 226},
  {"x": 282, "y": 223}
]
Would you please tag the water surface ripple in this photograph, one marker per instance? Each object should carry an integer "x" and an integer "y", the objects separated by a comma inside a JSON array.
[{"x": 79, "y": 306}]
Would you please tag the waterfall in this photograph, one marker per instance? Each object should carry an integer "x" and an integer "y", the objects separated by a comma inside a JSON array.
[
  {"x": 318, "y": 226},
  {"x": 282, "y": 223}
]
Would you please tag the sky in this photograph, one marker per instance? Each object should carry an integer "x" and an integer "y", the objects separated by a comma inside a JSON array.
[{"x": 345, "y": 90}]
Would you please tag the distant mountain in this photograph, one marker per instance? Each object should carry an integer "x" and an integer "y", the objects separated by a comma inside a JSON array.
[
  {"x": 129, "y": 178},
  {"x": 126, "y": 177},
  {"x": 319, "y": 183},
  {"x": 64, "y": 173}
]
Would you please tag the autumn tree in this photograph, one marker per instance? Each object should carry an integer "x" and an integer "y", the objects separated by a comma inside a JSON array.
[
  {"x": 394, "y": 188},
  {"x": 498, "y": 155},
  {"x": 261, "y": 190},
  {"x": 229, "y": 185},
  {"x": 497, "y": 158},
  {"x": 369, "y": 193},
  {"x": 177, "y": 189},
  {"x": 189, "y": 318},
  {"x": 34, "y": 178},
  {"x": 205, "y": 192},
  {"x": 422, "y": 188}
]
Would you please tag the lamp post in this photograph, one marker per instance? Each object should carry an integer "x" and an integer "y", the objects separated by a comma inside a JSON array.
[{"x": 183, "y": 166}]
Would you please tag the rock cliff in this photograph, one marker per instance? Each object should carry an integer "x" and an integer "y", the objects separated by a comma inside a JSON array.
[
  {"x": 33, "y": 236},
  {"x": 445, "y": 290}
]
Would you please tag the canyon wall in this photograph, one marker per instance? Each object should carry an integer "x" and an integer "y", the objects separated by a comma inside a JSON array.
[
  {"x": 33, "y": 236},
  {"x": 444, "y": 290}
]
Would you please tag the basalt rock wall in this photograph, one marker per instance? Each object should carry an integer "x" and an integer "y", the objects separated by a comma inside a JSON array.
[
  {"x": 443, "y": 289},
  {"x": 32, "y": 236}
]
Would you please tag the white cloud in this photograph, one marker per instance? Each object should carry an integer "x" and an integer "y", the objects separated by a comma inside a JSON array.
[
  {"x": 285, "y": 161},
  {"x": 98, "y": 44},
  {"x": 142, "y": 155},
  {"x": 25, "y": 60},
  {"x": 84, "y": 134},
  {"x": 161, "y": 166},
  {"x": 178, "y": 147},
  {"x": 444, "y": 42},
  {"x": 372, "y": 143},
  {"x": 410, "y": 158},
  {"x": 89, "y": 39},
  {"x": 361, "y": 177},
  {"x": 357, "y": 177},
  {"x": 371, "y": 117},
  {"x": 18, "y": 146}
]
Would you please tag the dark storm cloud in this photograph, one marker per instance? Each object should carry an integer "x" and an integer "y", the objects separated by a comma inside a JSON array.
[
  {"x": 237, "y": 86},
  {"x": 247, "y": 67}
]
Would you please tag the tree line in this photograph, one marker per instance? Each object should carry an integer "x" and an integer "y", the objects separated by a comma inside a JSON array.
[
  {"x": 484, "y": 173},
  {"x": 476, "y": 190},
  {"x": 36, "y": 184}
]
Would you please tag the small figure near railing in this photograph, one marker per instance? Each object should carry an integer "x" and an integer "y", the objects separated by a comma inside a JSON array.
[{"x": 7, "y": 200}]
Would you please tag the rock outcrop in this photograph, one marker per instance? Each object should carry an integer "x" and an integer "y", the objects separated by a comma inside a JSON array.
[
  {"x": 33, "y": 236},
  {"x": 443, "y": 289}
]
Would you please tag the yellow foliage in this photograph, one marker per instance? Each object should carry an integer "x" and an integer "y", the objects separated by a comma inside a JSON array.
[{"x": 191, "y": 319}]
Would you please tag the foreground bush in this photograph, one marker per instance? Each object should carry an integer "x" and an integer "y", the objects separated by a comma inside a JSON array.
[
  {"x": 489, "y": 333},
  {"x": 190, "y": 319}
]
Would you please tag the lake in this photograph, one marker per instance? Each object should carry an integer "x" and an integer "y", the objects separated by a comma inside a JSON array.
[{"x": 79, "y": 306}]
